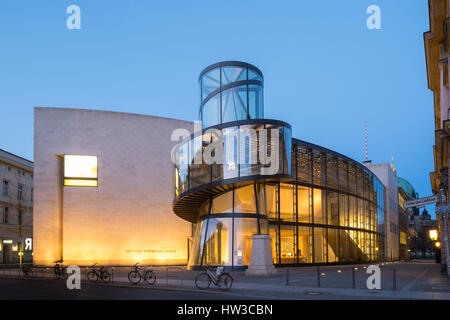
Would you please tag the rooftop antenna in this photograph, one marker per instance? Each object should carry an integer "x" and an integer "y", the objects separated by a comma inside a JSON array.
[
  {"x": 366, "y": 157},
  {"x": 365, "y": 140}
]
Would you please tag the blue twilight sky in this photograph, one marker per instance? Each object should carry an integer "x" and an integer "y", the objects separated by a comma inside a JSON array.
[{"x": 325, "y": 71}]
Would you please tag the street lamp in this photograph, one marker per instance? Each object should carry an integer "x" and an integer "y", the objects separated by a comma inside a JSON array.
[{"x": 433, "y": 234}]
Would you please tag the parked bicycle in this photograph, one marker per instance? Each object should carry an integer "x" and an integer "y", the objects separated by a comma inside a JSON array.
[
  {"x": 98, "y": 273},
  {"x": 59, "y": 272},
  {"x": 138, "y": 273},
  {"x": 27, "y": 271},
  {"x": 223, "y": 280}
]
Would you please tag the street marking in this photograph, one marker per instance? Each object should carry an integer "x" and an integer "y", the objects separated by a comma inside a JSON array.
[{"x": 409, "y": 285}]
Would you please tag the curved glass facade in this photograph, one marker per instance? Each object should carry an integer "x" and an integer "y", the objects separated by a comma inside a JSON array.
[
  {"x": 241, "y": 146},
  {"x": 331, "y": 211},
  {"x": 318, "y": 206},
  {"x": 230, "y": 91}
]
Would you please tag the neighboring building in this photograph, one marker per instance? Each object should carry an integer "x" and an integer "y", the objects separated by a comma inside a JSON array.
[
  {"x": 437, "y": 51},
  {"x": 16, "y": 208},
  {"x": 105, "y": 186},
  {"x": 407, "y": 237},
  {"x": 421, "y": 224},
  {"x": 387, "y": 176}
]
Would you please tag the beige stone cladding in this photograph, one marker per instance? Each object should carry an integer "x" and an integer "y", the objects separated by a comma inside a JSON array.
[{"x": 128, "y": 218}]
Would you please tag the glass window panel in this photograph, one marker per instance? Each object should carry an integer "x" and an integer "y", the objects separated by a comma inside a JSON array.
[
  {"x": 216, "y": 168},
  {"x": 244, "y": 229},
  {"x": 319, "y": 169},
  {"x": 218, "y": 242},
  {"x": 353, "y": 212},
  {"x": 244, "y": 200},
  {"x": 255, "y": 102},
  {"x": 233, "y": 74},
  {"x": 332, "y": 180},
  {"x": 211, "y": 112},
  {"x": 287, "y": 244},
  {"x": 343, "y": 175},
  {"x": 287, "y": 210},
  {"x": 248, "y": 150},
  {"x": 372, "y": 195},
  {"x": 366, "y": 184},
  {"x": 197, "y": 245},
  {"x": 353, "y": 242},
  {"x": 223, "y": 203},
  {"x": 252, "y": 75},
  {"x": 274, "y": 232},
  {"x": 230, "y": 153},
  {"x": 263, "y": 226},
  {"x": 304, "y": 245},
  {"x": 344, "y": 219},
  {"x": 344, "y": 245},
  {"x": 352, "y": 178},
  {"x": 271, "y": 192},
  {"x": 204, "y": 208},
  {"x": 234, "y": 104},
  {"x": 361, "y": 246},
  {"x": 199, "y": 171},
  {"x": 287, "y": 153},
  {"x": 303, "y": 164},
  {"x": 304, "y": 204},
  {"x": 332, "y": 208},
  {"x": 319, "y": 198},
  {"x": 359, "y": 182},
  {"x": 210, "y": 82},
  {"x": 361, "y": 214},
  {"x": 76, "y": 166},
  {"x": 333, "y": 245},
  {"x": 320, "y": 245}
]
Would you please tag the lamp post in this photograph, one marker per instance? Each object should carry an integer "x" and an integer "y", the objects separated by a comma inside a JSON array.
[{"x": 444, "y": 221}]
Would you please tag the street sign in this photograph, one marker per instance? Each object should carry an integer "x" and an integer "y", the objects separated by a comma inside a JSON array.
[
  {"x": 421, "y": 202},
  {"x": 443, "y": 209}
]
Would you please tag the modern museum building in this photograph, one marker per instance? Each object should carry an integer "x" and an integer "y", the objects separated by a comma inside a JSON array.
[{"x": 120, "y": 188}]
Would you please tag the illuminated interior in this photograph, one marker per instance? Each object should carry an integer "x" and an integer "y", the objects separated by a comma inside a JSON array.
[
  {"x": 321, "y": 208},
  {"x": 80, "y": 171}
]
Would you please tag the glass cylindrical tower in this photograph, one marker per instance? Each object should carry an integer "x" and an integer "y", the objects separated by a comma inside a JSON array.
[{"x": 230, "y": 91}]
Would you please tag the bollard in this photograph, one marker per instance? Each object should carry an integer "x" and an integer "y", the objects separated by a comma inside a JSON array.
[
  {"x": 318, "y": 276},
  {"x": 353, "y": 277},
  {"x": 287, "y": 276},
  {"x": 394, "y": 279},
  {"x": 112, "y": 274}
]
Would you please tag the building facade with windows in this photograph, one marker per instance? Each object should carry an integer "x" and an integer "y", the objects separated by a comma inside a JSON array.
[
  {"x": 16, "y": 208},
  {"x": 119, "y": 188},
  {"x": 437, "y": 53},
  {"x": 318, "y": 206}
]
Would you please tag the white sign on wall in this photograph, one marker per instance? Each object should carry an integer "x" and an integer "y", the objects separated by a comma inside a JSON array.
[{"x": 421, "y": 202}]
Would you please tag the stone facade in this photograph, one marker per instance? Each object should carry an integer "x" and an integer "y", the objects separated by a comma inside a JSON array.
[
  {"x": 16, "y": 208},
  {"x": 387, "y": 176},
  {"x": 128, "y": 218}
]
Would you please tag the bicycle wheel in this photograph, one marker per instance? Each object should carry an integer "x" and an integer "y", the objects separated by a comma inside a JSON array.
[
  {"x": 134, "y": 277},
  {"x": 150, "y": 277},
  {"x": 106, "y": 277},
  {"x": 92, "y": 276},
  {"x": 225, "y": 282},
  {"x": 64, "y": 273},
  {"x": 202, "y": 281}
]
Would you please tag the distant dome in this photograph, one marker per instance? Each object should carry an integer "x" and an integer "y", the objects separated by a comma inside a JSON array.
[{"x": 407, "y": 187}]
